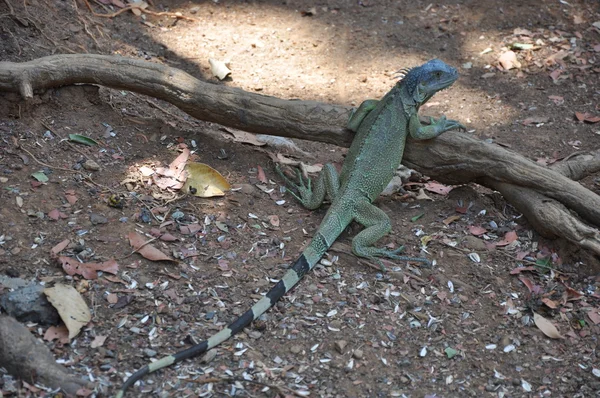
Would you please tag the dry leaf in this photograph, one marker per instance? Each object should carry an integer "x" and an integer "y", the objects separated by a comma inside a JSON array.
[
  {"x": 546, "y": 327},
  {"x": 452, "y": 219},
  {"x": 98, "y": 341},
  {"x": 60, "y": 333},
  {"x": 477, "y": 230},
  {"x": 60, "y": 247},
  {"x": 587, "y": 117},
  {"x": 508, "y": 60},
  {"x": 88, "y": 270},
  {"x": 219, "y": 68},
  {"x": 148, "y": 251},
  {"x": 71, "y": 307},
  {"x": 261, "y": 175},
  {"x": 509, "y": 237},
  {"x": 535, "y": 121},
  {"x": 438, "y": 188},
  {"x": 243, "y": 137},
  {"x": 204, "y": 181}
]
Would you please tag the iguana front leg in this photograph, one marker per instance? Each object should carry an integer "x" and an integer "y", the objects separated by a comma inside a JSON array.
[
  {"x": 327, "y": 183},
  {"x": 435, "y": 128},
  {"x": 358, "y": 115},
  {"x": 377, "y": 225}
]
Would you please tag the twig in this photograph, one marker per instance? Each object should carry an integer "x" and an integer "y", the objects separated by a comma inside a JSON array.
[
  {"x": 394, "y": 274},
  {"x": 11, "y": 10},
  {"x": 146, "y": 11},
  {"x": 88, "y": 178},
  {"x": 138, "y": 249},
  {"x": 515, "y": 259}
]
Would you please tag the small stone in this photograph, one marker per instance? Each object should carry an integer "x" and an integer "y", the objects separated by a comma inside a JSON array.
[
  {"x": 209, "y": 356},
  {"x": 210, "y": 315},
  {"x": 247, "y": 189},
  {"x": 358, "y": 354},
  {"x": 474, "y": 243},
  {"x": 255, "y": 334},
  {"x": 296, "y": 349},
  {"x": 96, "y": 219},
  {"x": 312, "y": 287},
  {"x": 91, "y": 165},
  {"x": 340, "y": 345},
  {"x": 149, "y": 352}
]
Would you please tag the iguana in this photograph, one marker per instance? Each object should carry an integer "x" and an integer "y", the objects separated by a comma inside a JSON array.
[{"x": 381, "y": 129}]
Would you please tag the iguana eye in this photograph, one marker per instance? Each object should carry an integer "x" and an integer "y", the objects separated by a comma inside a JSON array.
[{"x": 438, "y": 74}]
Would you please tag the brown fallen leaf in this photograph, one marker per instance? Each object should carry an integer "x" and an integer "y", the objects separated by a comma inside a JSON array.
[
  {"x": 508, "y": 60},
  {"x": 147, "y": 251},
  {"x": 71, "y": 197},
  {"x": 88, "y": 270},
  {"x": 451, "y": 219},
  {"x": 550, "y": 303},
  {"x": 509, "y": 237},
  {"x": 60, "y": 333},
  {"x": 587, "y": 117},
  {"x": 260, "y": 175},
  {"x": 59, "y": 247},
  {"x": 243, "y": 137},
  {"x": 594, "y": 316},
  {"x": 440, "y": 189},
  {"x": 535, "y": 120},
  {"x": 477, "y": 230},
  {"x": 546, "y": 327},
  {"x": 98, "y": 341}
]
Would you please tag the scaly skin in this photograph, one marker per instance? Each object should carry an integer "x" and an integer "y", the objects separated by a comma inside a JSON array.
[{"x": 381, "y": 129}]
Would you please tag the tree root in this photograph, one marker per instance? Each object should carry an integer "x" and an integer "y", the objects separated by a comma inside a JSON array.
[
  {"x": 555, "y": 204},
  {"x": 23, "y": 356}
]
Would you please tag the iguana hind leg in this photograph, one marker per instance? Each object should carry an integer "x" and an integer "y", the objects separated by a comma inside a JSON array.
[
  {"x": 377, "y": 225},
  {"x": 311, "y": 197}
]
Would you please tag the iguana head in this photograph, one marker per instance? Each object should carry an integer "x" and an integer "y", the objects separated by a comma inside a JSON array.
[{"x": 422, "y": 82}]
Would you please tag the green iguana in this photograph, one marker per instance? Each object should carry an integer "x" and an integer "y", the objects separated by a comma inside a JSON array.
[{"x": 381, "y": 129}]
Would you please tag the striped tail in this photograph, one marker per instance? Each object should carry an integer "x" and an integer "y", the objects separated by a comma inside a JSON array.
[{"x": 307, "y": 260}]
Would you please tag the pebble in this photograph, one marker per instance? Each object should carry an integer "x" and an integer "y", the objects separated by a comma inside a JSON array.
[
  {"x": 91, "y": 165},
  {"x": 149, "y": 352},
  {"x": 255, "y": 334},
  {"x": 358, "y": 354},
  {"x": 296, "y": 349},
  {"x": 209, "y": 356},
  {"x": 340, "y": 345},
  {"x": 98, "y": 219}
]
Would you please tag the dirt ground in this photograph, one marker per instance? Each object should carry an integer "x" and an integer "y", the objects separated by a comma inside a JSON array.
[{"x": 463, "y": 328}]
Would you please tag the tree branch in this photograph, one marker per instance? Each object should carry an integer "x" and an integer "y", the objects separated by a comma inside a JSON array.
[{"x": 546, "y": 196}]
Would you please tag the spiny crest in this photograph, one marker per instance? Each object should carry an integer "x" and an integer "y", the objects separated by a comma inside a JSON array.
[{"x": 422, "y": 82}]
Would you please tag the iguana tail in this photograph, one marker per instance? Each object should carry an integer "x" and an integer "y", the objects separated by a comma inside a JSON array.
[{"x": 307, "y": 260}]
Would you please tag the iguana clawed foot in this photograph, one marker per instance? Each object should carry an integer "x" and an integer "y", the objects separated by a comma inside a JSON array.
[
  {"x": 375, "y": 252},
  {"x": 442, "y": 124},
  {"x": 304, "y": 191}
]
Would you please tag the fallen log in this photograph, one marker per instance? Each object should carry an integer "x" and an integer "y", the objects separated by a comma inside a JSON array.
[{"x": 555, "y": 204}]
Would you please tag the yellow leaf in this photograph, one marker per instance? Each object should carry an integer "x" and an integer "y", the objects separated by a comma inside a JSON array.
[
  {"x": 204, "y": 181},
  {"x": 71, "y": 307}
]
